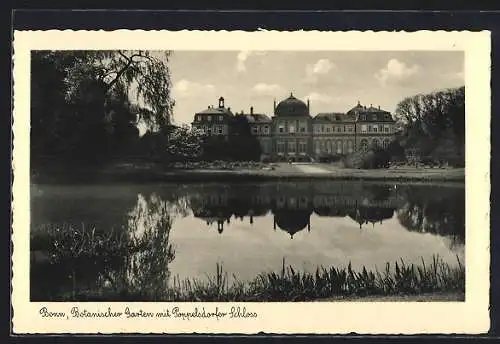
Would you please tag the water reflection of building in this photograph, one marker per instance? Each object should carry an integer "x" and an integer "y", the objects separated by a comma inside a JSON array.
[
  {"x": 292, "y": 212},
  {"x": 364, "y": 215},
  {"x": 292, "y": 204}
]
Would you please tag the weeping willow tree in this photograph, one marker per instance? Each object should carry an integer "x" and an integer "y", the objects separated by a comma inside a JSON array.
[{"x": 79, "y": 98}]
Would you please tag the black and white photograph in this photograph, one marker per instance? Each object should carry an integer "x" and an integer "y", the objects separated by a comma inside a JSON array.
[{"x": 259, "y": 175}]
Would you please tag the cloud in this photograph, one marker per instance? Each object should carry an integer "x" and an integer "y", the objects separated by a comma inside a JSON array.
[
  {"x": 321, "y": 70},
  {"x": 396, "y": 72},
  {"x": 243, "y": 56},
  {"x": 263, "y": 89},
  {"x": 319, "y": 97},
  {"x": 185, "y": 88}
]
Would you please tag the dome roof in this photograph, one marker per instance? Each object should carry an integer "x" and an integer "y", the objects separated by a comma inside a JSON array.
[{"x": 291, "y": 107}]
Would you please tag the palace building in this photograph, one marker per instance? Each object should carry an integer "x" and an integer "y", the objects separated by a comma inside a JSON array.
[{"x": 292, "y": 133}]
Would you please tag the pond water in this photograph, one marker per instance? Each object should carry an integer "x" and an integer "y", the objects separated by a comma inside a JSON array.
[{"x": 247, "y": 228}]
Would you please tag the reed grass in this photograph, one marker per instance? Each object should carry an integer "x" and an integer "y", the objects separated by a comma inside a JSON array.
[{"x": 291, "y": 285}]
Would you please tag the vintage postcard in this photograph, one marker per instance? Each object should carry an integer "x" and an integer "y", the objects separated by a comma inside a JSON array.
[{"x": 245, "y": 182}]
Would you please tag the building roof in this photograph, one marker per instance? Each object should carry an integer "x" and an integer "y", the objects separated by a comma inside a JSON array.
[
  {"x": 291, "y": 106},
  {"x": 215, "y": 111},
  {"x": 257, "y": 118},
  {"x": 334, "y": 117}
]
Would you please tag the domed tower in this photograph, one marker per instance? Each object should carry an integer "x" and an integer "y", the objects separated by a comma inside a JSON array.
[
  {"x": 291, "y": 106},
  {"x": 292, "y": 129}
]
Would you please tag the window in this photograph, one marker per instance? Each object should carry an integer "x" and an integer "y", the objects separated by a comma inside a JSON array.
[
  {"x": 302, "y": 147},
  {"x": 209, "y": 118},
  {"x": 369, "y": 128},
  {"x": 364, "y": 145},
  {"x": 363, "y": 128},
  {"x": 220, "y": 129},
  {"x": 291, "y": 128},
  {"x": 280, "y": 147},
  {"x": 318, "y": 129},
  {"x": 302, "y": 126},
  {"x": 266, "y": 129},
  {"x": 316, "y": 147},
  {"x": 339, "y": 147},
  {"x": 350, "y": 146},
  {"x": 363, "y": 117},
  {"x": 385, "y": 144},
  {"x": 291, "y": 146},
  {"x": 339, "y": 129},
  {"x": 221, "y": 118},
  {"x": 198, "y": 118},
  {"x": 328, "y": 129},
  {"x": 329, "y": 146},
  {"x": 375, "y": 143},
  {"x": 374, "y": 117},
  {"x": 281, "y": 126},
  {"x": 322, "y": 128},
  {"x": 349, "y": 129},
  {"x": 386, "y": 128},
  {"x": 375, "y": 128},
  {"x": 255, "y": 130}
]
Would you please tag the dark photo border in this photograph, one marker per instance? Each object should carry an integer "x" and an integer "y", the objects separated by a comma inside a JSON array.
[{"x": 251, "y": 20}]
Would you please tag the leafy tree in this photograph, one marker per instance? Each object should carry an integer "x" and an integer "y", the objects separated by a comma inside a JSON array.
[
  {"x": 184, "y": 144},
  {"x": 434, "y": 119},
  {"x": 80, "y": 107}
]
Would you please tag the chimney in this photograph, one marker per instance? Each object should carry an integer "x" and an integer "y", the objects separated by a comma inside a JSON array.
[
  {"x": 308, "y": 105},
  {"x": 274, "y": 106},
  {"x": 379, "y": 107},
  {"x": 251, "y": 110},
  {"x": 228, "y": 109}
]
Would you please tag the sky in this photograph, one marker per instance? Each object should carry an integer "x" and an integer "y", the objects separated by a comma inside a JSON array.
[{"x": 333, "y": 81}]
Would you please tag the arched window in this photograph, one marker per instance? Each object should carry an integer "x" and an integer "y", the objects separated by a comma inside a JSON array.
[
  {"x": 375, "y": 143},
  {"x": 385, "y": 144},
  {"x": 339, "y": 147},
  {"x": 350, "y": 146},
  {"x": 364, "y": 145}
]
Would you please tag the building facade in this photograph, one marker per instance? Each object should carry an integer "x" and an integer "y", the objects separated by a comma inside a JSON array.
[{"x": 292, "y": 133}]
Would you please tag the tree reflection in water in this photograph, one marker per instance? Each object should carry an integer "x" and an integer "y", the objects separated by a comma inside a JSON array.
[
  {"x": 427, "y": 210},
  {"x": 145, "y": 271},
  {"x": 88, "y": 263}
]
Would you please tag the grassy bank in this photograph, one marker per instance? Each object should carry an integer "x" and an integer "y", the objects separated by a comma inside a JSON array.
[{"x": 144, "y": 173}]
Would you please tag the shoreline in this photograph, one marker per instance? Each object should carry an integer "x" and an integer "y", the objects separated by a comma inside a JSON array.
[{"x": 156, "y": 174}]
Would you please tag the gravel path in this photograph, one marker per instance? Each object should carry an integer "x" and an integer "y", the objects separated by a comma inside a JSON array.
[{"x": 311, "y": 169}]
